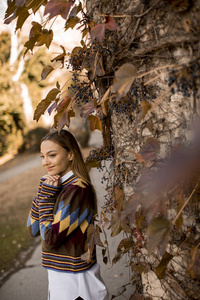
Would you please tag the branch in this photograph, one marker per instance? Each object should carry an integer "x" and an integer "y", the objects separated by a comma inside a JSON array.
[{"x": 184, "y": 205}]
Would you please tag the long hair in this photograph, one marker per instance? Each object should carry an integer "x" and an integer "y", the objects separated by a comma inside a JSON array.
[{"x": 66, "y": 140}]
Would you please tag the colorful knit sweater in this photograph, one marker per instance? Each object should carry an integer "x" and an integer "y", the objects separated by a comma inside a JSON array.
[{"x": 61, "y": 215}]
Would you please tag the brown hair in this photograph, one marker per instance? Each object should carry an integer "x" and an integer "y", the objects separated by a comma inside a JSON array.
[{"x": 66, "y": 140}]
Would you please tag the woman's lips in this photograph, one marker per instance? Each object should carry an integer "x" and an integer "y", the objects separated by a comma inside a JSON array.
[{"x": 49, "y": 168}]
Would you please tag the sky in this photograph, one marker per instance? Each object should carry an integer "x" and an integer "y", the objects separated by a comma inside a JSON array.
[{"x": 3, "y": 4}]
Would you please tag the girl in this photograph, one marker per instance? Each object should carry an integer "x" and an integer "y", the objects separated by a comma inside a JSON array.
[{"x": 61, "y": 213}]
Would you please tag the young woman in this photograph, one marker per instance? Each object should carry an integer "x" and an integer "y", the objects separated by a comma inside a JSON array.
[{"x": 61, "y": 213}]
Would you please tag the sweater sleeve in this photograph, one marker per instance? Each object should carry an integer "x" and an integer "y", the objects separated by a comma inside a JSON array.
[
  {"x": 33, "y": 218},
  {"x": 74, "y": 211}
]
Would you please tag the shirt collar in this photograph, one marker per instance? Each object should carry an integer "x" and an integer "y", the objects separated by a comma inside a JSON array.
[{"x": 66, "y": 176}]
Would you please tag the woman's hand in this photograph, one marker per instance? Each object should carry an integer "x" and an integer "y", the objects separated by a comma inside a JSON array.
[{"x": 52, "y": 179}]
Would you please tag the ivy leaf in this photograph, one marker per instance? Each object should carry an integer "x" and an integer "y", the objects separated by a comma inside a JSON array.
[
  {"x": 194, "y": 266},
  {"x": 52, "y": 107},
  {"x": 87, "y": 109},
  {"x": 23, "y": 14},
  {"x": 98, "y": 31},
  {"x": 116, "y": 226},
  {"x": 46, "y": 71},
  {"x": 145, "y": 108},
  {"x": 60, "y": 57},
  {"x": 44, "y": 104},
  {"x": 158, "y": 232},
  {"x": 11, "y": 9},
  {"x": 150, "y": 149},
  {"x": 64, "y": 114},
  {"x": 35, "y": 5},
  {"x": 33, "y": 36},
  {"x": 58, "y": 7},
  {"x": 119, "y": 196},
  {"x": 93, "y": 238},
  {"x": 19, "y": 3},
  {"x": 45, "y": 38},
  {"x": 160, "y": 269},
  {"x": 71, "y": 22},
  {"x": 123, "y": 81},
  {"x": 110, "y": 23},
  {"x": 95, "y": 123}
]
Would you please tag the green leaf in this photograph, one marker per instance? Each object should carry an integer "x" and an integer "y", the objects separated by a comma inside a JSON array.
[
  {"x": 95, "y": 123},
  {"x": 58, "y": 7},
  {"x": 123, "y": 81},
  {"x": 160, "y": 270},
  {"x": 158, "y": 232},
  {"x": 46, "y": 71}
]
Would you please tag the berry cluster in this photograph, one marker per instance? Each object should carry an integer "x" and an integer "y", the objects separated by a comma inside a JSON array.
[
  {"x": 97, "y": 156},
  {"x": 186, "y": 79},
  {"x": 127, "y": 105}
]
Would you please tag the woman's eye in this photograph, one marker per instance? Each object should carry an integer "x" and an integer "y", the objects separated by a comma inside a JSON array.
[{"x": 52, "y": 155}]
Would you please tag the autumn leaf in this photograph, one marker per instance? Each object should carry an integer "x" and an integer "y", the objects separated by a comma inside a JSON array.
[
  {"x": 158, "y": 232},
  {"x": 160, "y": 269},
  {"x": 145, "y": 105},
  {"x": 95, "y": 123},
  {"x": 150, "y": 149},
  {"x": 46, "y": 71},
  {"x": 58, "y": 7},
  {"x": 52, "y": 107},
  {"x": 71, "y": 22},
  {"x": 98, "y": 31},
  {"x": 194, "y": 266},
  {"x": 116, "y": 226},
  {"x": 44, "y": 104},
  {"x": 118, "y": 200},
  {"x": 60, "y": 57},
  {"x": 35, "y": 5},
  {"x": 23, "y": 14},
  {"x": 45, "y": 38},
  {"x": 123, "y": 81},
  {"x": 64, "y": 114},
  {"x": 87, "y": 109}
]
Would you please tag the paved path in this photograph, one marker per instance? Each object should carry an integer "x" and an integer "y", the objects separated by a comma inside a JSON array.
[{"x": 30, "y": 283}]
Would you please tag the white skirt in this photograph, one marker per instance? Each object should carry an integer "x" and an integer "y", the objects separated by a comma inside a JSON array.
[{"x": 68, "y": 286}]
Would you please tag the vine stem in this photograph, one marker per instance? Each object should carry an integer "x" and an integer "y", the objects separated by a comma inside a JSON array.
[
  {"x": 146, "y": 12},
  {"x": 184, "y": 205}
]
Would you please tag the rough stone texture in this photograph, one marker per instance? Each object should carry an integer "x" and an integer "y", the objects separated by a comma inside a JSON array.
[{"x": 152, "y": 36}]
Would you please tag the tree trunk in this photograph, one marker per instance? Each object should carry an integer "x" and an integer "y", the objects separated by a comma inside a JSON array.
[{"x": 157, "y": 37}]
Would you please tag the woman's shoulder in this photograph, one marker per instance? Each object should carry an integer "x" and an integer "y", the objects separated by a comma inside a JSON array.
[{"x": 76, "y": 182}]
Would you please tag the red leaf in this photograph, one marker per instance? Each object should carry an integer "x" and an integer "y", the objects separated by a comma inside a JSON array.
[
  {"x": 58, "y": 7},
  {"x": 98, "y": 32},
  {"x": 110, "y": 23},
  {"x": 52, "y": 107}
]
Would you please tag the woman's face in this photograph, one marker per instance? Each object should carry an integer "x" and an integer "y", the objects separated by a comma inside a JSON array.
[{"x": 55, "y": 159}]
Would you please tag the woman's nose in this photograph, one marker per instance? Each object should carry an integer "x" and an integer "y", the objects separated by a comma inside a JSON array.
[{"x": 45, "y": 161}]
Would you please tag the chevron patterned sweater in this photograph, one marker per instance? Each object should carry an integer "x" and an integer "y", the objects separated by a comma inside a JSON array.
[{"x": 61, "y": 215}]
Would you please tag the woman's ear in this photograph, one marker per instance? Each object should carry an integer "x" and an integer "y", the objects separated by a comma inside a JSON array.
[{"x": 71, "y": 156}]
